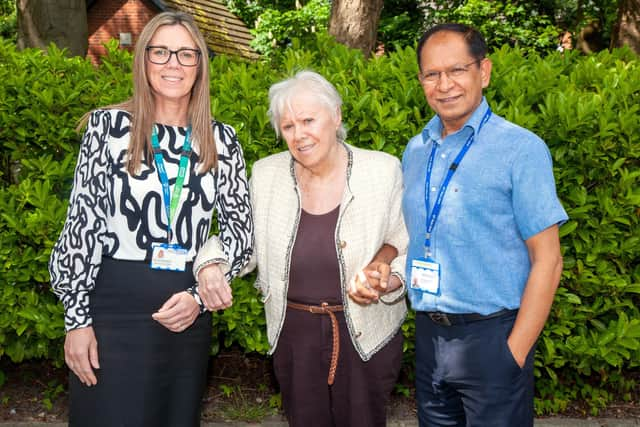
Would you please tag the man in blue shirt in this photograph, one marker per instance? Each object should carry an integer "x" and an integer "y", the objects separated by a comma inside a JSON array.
[{"x": 484, "y": 258}]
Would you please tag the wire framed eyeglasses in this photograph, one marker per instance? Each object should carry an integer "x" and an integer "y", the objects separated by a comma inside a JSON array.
[{"x": 456, "y": 72}]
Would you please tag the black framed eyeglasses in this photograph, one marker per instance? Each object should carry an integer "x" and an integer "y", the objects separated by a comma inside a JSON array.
[{"x": 161, "y": 55}]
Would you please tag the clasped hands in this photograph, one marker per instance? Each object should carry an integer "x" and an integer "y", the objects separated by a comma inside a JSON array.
[
  {"x": 213, "y": 288},
  {"x": 214, "y": 291},
  {"x": 372, "y": 282},
  {"x": 181, "y": 310}
]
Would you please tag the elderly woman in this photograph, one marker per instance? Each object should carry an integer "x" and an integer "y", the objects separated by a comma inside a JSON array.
[
  {"x": 328, "y": 222},
  {"x": 150, "y": 173}
]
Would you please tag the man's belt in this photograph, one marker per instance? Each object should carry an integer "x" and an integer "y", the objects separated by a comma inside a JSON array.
[{"x": 448, "y": 319}]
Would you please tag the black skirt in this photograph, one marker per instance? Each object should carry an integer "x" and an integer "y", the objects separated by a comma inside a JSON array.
[{"x": 148, "y": 376}]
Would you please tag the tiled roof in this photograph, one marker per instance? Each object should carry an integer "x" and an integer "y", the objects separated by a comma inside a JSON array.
[{"x": 223, "y": 31}]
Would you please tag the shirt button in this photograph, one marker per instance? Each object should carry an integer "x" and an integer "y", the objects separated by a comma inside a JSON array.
[
  {"x": 443, "y": 155},
  {"x": 343, "y": 244},
  {"x": 358, "y": 334},
  {"x": 433, "y": 188}
]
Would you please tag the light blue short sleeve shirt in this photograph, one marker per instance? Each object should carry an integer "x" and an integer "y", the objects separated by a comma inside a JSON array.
[{"x": 502, "y": 193}]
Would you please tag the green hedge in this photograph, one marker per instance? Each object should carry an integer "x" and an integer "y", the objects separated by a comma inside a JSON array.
[{"x": 585, "y": 107}]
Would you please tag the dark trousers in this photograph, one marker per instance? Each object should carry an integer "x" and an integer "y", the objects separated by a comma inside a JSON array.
[
  {"x": 467, "y": 376},
  {"x": 361, "y": 389}
]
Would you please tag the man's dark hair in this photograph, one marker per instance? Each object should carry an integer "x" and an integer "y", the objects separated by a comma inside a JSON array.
[{"x": 475, "y": 42}]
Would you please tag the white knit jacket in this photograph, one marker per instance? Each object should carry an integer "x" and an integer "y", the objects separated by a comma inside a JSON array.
[{"x": 370, "y": 215}]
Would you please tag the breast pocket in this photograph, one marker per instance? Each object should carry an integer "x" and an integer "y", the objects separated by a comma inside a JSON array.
[{"x": 471, "y": 208}]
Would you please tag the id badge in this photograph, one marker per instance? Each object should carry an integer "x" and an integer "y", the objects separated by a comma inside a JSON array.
[
  {"x": 425, "y": 275},
  {"x": 168, "y": 257}
]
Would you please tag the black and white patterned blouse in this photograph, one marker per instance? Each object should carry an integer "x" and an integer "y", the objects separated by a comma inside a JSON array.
[{"x": 114, "y": 214}]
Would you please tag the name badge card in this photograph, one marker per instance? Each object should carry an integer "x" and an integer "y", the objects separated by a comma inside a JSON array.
[
  {"x": 168, "y": 257},
  {"x": 425, "y": 275}
]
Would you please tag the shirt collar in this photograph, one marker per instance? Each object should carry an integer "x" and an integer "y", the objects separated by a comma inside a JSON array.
[{"x": 433, "y": 130}]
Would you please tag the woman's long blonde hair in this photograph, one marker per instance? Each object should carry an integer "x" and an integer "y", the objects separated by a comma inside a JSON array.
[{"x": 141, "y": 105}]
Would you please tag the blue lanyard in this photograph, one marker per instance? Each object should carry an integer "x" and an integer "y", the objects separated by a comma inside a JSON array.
[
  {"x": 171, "y": 201},
  {"x": 433, "y": 217}
]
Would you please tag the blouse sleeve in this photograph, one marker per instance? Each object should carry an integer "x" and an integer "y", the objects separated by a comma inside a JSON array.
[
  {"x": 233, "y": 245},
  {"x": 76, "y": 256}
]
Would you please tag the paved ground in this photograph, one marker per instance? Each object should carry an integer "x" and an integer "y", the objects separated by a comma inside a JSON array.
[{"x": 544, "y": 422}]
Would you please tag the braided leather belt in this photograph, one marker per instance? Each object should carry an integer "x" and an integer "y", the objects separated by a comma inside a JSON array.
[{"x": 325, "y": 308}]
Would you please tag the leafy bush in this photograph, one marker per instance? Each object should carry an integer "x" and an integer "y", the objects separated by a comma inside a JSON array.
[
  {"x": 39, "y": 98},
  {"x": 586, "y": 108},
  {"x": 513, "y": 22},
  {"x": 275, "y": 28}
]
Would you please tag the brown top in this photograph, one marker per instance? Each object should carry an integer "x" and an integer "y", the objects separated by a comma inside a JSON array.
[{"x": 314, "y": 275}]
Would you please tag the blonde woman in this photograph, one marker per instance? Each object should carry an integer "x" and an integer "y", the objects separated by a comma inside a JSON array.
[{"x": 151, "y": 171}]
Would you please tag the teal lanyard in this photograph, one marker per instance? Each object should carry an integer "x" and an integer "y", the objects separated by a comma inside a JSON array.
[{"x": 171, "y": 200}]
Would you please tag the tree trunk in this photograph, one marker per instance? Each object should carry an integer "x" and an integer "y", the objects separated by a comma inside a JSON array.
[
  {"x": 63, "y": 22},
  {"x": 627, "y": 28},
  {"x": 354, "y": 23}
]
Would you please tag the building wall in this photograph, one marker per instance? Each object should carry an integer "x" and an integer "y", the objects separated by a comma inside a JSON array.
[{"x": 106, "y": 19}]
